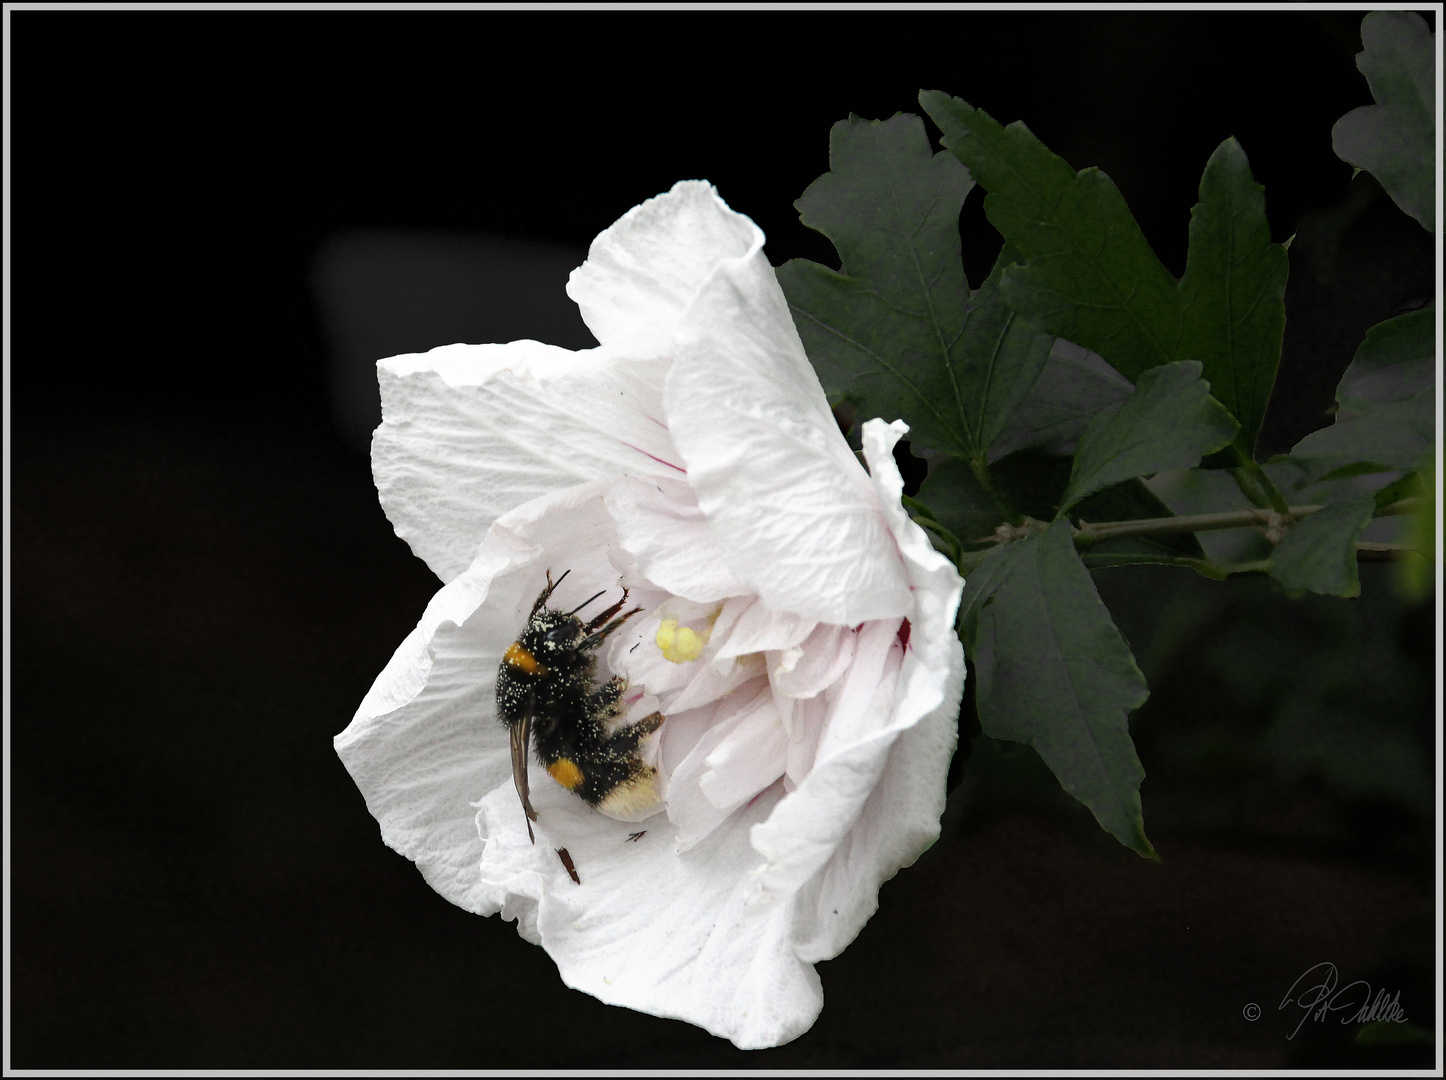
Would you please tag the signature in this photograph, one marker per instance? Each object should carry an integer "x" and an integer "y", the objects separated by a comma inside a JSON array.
[{"x": 1317, "y": 997}]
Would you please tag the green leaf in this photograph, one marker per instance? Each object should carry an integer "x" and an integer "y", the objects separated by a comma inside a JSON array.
[
  {"x": 1415, "y": 578},
  {"x": 1369, "y": 436},
  {"x": 1233, "y": 291},
  {"x": 898, "y": 332},
  {"x": 1319, "y": 553},
  {"x": 1169, "y": 422},
  {"x": 980, "y": 585},
  {"x": 1089, "y": 275},
  {"x": 1386, "y": 418},
  {"x": 1395, "y": 139},
  {"x": 1074, "y": 385},
  {"x": 953, "y": 493},
  {"x": 1054, "y": 672},
  {"x": 1033, "y": 482},
  {"x": 1396, "y": 362}
]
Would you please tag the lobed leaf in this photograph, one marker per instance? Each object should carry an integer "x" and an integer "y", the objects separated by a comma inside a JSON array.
[
  {"x": 1386, "y": 416},
  {"x": 1395, "y": 139},
  {"x": 897, "y": 332},
  {"x": 1052, "y": 671},
  {"x": 1089, "y": 275},
  {"x": 1319, "y": 553},
  {"x": 1396, "y": 362},
  {"x": 1074, "y": 385},
  {"x": 1233, "y": 291},
  {"x": 1169, "y": 422}
]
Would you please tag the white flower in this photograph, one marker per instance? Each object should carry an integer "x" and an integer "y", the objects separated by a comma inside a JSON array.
[{"x": 797, "y": 632}]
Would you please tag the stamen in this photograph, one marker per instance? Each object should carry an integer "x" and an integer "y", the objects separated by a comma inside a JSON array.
[{"x": 679, "y": 643}]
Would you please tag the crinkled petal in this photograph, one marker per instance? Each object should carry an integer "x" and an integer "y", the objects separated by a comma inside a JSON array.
[
  {"x": 690, "y": 807},
  {"x": 795, "y": 516},
  {"x": 661, "y": 525},
  {"x": 470, "y": 431},
  {"x": 426, "y": 741},
  {"x": 651, "y": 929},
  {"x": 747, "y": 625},
  {"x": 823, "y": 657},
  {"x": 832, "y": 822},
  {"x": 643, "y": 272}
]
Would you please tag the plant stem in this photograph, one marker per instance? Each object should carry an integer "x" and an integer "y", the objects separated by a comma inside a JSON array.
[
  {"x": 1094, "y": 533},
  {"x": 1257, "y": 486},
  {"x": 979, "y": 464}
]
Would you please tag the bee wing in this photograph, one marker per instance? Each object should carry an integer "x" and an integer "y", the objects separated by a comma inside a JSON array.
[{"x": 521, "y": 734}]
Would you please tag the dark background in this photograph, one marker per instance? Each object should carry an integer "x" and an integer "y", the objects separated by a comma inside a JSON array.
[{"x": 203, "y": 586}]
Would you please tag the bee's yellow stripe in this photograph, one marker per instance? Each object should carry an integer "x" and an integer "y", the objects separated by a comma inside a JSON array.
[
  {"x": 518, "y": 657},
  {"x": 565, "y": 772}
]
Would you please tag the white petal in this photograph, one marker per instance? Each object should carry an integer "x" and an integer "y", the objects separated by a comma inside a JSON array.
[
  {"x": 748, "y": 625},
  {"x": 643, "y": 272},
  {"x": 796, "y": 517},
  {"x": 858, "y": 815},
  {"x": 470, "y": 431},
  {"x": 650, "y": 929},
  {"x": 690, "y": 807},
  {"x": 661, "y": 525},
  {"x": 826, "y": 655},
  {"x": 426, "y": 742}
]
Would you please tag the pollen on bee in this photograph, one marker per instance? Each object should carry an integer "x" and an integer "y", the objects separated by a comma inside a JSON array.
[
  {"x": 565, "y": 772},
  {"x": 679, "y": 643},
  {"x": 518, "y": 657}
]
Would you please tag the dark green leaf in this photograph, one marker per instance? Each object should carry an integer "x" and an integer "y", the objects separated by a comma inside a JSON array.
[
  {"x": 1386, "y": 418},
  {"x": 1089, "y": 274},
  {"x": 1319, "y": 553},
  {"x": 897, "y": 332},
  {"x": 979, "y": 588},
  {"x": 1396, "y": 362},
  {"x": 1169, "y": 422},
  {"x": 1407, "y": 487},
  {"x": 1054, "y": 672},
  {"x": 1033, "y": 482},
  {"x": 953, "y": 493},
  {"x": 1395, "y": 139},
  {"x": 1233, "y": 291},
  {"x": 1074, "y": 385}
]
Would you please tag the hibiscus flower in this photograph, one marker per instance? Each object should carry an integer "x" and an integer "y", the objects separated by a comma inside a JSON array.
[{"x": 796, "y": 632}]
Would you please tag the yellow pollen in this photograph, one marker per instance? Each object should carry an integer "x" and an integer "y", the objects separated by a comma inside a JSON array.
[
  {"x": 566, "y": 773},
  {"x": 679, "y": 643},
  {"x": 518, "y": 657}
]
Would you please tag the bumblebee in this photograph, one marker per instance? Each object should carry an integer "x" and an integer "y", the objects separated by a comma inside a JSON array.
[{"x": 546, "y": 696}]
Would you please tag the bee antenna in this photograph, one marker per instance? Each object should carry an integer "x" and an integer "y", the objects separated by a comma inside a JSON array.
[{"x": 586, "y": 602}]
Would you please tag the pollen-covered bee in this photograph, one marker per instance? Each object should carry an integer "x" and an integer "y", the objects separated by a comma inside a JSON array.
[{"x": 546, "y": 696}]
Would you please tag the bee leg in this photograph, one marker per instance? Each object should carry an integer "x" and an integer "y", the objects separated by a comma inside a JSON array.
[
  {"x": 625, "y": 740},
  {"x": 592, "y": 641},
  {"x": 542, "y": 596},
  {"x": 604, "y": 616},
  {"x": 603, "y": 702},
  {"x": 520, "y": 733}
]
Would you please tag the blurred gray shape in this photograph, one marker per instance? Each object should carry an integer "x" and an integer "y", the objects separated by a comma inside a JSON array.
[{"x": 382, "y": 292}]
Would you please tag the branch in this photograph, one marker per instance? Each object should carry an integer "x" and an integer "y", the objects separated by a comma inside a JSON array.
[{"x": 1093, "y": 533}]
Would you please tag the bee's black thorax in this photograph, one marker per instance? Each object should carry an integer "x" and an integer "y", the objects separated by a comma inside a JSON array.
[{"x": 547, "y": 681}]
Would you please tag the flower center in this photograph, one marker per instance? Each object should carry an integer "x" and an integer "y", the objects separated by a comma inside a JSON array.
[{"x": 680, "y": 643}]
